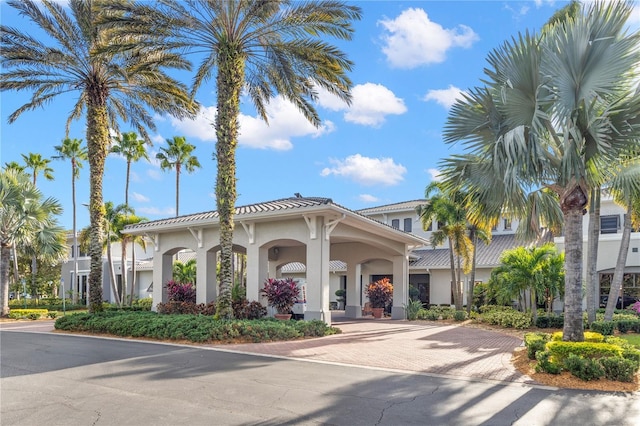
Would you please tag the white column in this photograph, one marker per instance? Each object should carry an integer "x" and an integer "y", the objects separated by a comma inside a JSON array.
[
  {"x": 257, "y": 270},
  {"x": 400, "y": 286},
  {"x": 354, "y": 308},
  {"x": 206, "y": 279},
  {"x": 318, "y": 276},
  {"x": 162, "y": 273}
]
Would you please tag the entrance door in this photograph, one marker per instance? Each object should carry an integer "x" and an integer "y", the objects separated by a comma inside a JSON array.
[{"x": 421, "y": 283}]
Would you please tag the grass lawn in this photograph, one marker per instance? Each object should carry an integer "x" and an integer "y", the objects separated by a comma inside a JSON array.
[{"x": 634, "y": 339}]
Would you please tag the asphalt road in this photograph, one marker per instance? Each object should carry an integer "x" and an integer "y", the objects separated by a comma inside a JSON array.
[{"x": 54, "y": 379}]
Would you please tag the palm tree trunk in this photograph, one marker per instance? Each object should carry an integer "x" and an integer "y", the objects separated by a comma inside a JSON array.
[
  {"x": 618, "y": 274},
  {"x": 133, "y": 272},
  {"x": 592, "y": 255},
  {"x": 123, "y": 268},
  {"x": 472, "y": 277},
  {"x": 97, "y": 143},
  {"x": 454, "y": 285},
  {"x": 573, "y": 329},
  {"x": 112, "y": 275},
  {"x": 126, "y": 184},
  {"x": 177, "y": 191},
  {"x": 230, "y": 79},
  {"x": 5, "y": 255},
  {"x": 74, "y": 284}
]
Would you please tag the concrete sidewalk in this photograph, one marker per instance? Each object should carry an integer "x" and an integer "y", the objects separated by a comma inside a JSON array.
[{"x": 442, "y": 349}]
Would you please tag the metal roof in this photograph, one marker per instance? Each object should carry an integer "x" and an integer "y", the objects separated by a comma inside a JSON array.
[
  {"x": 299, "y": 268},
  {"x": 486, "y": 255}
]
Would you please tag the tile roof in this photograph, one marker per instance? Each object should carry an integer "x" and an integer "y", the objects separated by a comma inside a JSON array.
[
  {"x": 269, "y": 206},
  {"x": 486, "y": 255},
  {"x": 298, "y": 267},
  {"x": 403, "y": 206}
]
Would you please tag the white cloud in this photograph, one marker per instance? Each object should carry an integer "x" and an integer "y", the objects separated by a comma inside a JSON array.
[
  {"x": 435, "y": 174},
  {"x": 412, "y": 39},
  {"x": 155, "y": 211},
  {"x": 139, "y": 197},
  {"x": 154, "y": 174},
  {"x": 367, "y": 171},
  {"x": 368, "y": 198},
  {"x": 370, "y": 104},
  {"x": 445, "y": 97},
  {"x": 285, "y": 123}
]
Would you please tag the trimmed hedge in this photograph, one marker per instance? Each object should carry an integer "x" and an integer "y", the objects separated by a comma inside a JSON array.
[
  {"x": 32, "y": 314},
  {"x": 560, "y": 351},
  {"x": 193, "y": 328},
  {"x": 535, "y": 342},
  {"x": 603, "y": 327}
]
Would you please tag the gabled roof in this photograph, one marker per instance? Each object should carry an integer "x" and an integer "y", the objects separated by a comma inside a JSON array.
[
  {"x": 395, "y": 207},
  {"x": 487, "y": 256},
  {"x": 276, "y": 209}
]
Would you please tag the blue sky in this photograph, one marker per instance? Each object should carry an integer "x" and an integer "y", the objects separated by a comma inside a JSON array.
[{"x": 412, "y": 58}]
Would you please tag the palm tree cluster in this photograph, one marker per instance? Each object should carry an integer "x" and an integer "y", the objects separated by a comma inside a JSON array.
[
  {"x": 558, "y": 116},
  {"x": 114, "y": 55}
]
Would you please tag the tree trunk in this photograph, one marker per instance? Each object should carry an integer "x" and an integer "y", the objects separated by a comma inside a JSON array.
[
  {"x": 618, "y": 275},
  {"x": 133, "y": 272},
  {"x": 472, "y": 277},
  {"x": 573, "y": 329},
  {"x": 593, "y": 299},
  {"x": 126, "y": 184},
  {"x": 74, "y": 284},
  {"x": 177, "y": 191},
  {"x": 5, "y": 255},
  {"x": 112, "y": 275},
  {"x": 123, "y": 268},
  {"x": 97, "y": 143},
  {"x": 230, "y": 79}
]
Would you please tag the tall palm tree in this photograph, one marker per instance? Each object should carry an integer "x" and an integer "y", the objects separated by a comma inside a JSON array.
[
  {"x": 38, "y": 165},
  {"x": 625, "y": 188},
  {"x": 76, "y": 153},
  {"x": 447, "y": 209},
  {"x": 132, "y": 149},
  {"x": 265, "y": 48},
  {"x": 78, "y": 55},
  {"x": 25, "y": 218},
  {"x": 176, "y": 156},
  {"x": 542, "y": 125}
]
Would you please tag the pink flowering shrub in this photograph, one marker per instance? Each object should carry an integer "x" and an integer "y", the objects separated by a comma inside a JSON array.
[
  {"x": 178, "y": 292},
  {"x": 636, "y": 307}
]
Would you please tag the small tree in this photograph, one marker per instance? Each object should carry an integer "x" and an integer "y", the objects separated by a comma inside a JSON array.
[{"x": 281, "y": 294}]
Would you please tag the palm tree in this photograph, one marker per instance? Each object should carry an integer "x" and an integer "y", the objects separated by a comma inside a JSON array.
[
  {"x": 541, "y": 125},
  {"x": 523, "y": 270},
  {"x": 265, "y": 48},
  {"x": 132, "y": 149},
  {"x": 185, "y": 272},
  {"x": 25, "y": 218},
  {"x": 76, "y": 153},
  {"x": 625, "y": 188},
  {"x": 38, "y": 165},
  {"x": 78, "y": 55},
  {"x": 447, "y": 209},
  {"x": 176, "y": 156}
]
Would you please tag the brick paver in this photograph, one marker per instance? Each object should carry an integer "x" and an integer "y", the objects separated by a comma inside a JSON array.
[{"x": 444, "y": 349}]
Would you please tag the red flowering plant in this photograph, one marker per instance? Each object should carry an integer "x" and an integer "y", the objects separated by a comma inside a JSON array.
[
  {"x": 380, "y": 293},
  {"x": 281, "y": 294}
]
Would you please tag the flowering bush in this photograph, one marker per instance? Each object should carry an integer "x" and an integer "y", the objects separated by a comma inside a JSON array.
[
  {"x": 177, "y": 292},
  {"x": 380, "y": 293},
  {"x": 636, "y": 307},
  {"x": 281, "y": 294}
]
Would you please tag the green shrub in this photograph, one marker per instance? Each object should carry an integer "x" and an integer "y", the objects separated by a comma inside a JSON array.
[
  {"x": 429, "y": 314},
  {"x": 243, "y": 309},
  {"x": 589, "y": 336},
  {"x": 412, "y": 309},
  {"x": 52, "y": 315},
  {"x": 603, "y": 327},
  {"x": 460, "y": 315},
  {"x": 32, "y": 314},
  {"x": 144, "y": 304},
  {"x": 508, "y": 318},
  {"x": 545, "y": 365},
  {"x": 550, "y": 321},
  {"x": 584, "y": 368},
  {"x": 619, "y": 369},
  {"x": 560, "y": 351},
  {"x": 195, "y": 328},
  {"x": 535, "y": 342},
  {"x": 626, "y": 325}
]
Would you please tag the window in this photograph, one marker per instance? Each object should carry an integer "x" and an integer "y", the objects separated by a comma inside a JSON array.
[
  {"x": 609, "y": 224},
  {"x": 395, "y": 223},
  {"x": 407, "y": 225},
  {"x": 507, "y": 224}
]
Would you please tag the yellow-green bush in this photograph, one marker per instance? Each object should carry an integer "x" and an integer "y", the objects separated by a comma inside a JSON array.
[
  {"x": 561, "y": 350},
  {"x": 27, "y": 313},
  {"x": 589, "y": 336}
]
